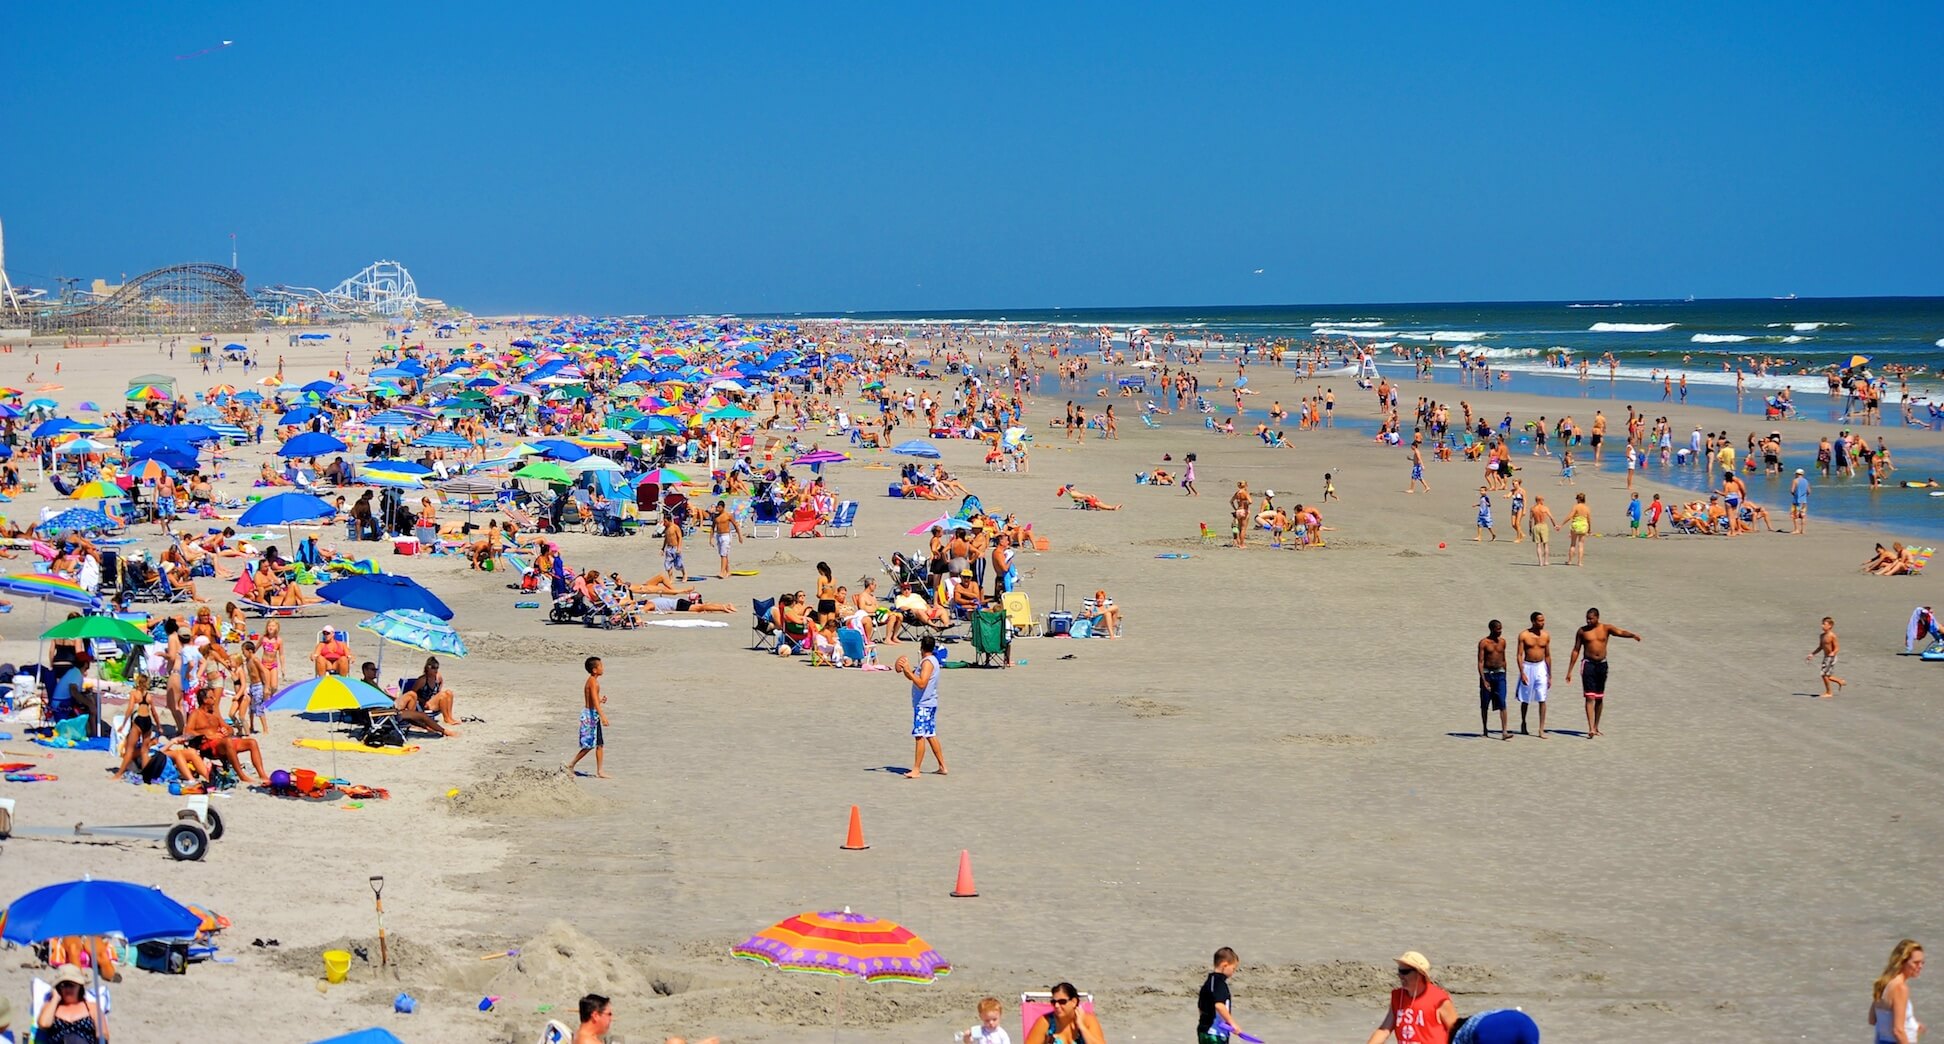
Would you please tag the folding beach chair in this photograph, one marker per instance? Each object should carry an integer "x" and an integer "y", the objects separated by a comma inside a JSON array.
[
  {"x": 852, "y": 649},
  {"x": 764, "y": 513},
  {"x": 760, "y": 623},
  {"x": 844, "y": 520},
  {"x": 989, "y": 638},
  {"x": 1149, "y": 421},
  {"x": 1019, "y": 612}
]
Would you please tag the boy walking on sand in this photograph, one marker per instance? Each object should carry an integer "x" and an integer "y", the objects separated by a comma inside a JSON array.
[
  {"x": 1214, "y": 1021},
  {"x": 1828, "y": 646},
  {"x": 593, "y": 719}
]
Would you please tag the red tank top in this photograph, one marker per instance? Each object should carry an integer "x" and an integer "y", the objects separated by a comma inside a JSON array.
[{"x": 1416, "y": 1018}]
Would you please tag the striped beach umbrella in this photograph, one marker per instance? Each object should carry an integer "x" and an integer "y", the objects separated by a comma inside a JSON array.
[
  {"x": 47, "y": 588},
  {"x": 416, "y": 629},
  {"x": 86, "y": 520},
  {"x": 843, "y": 943}
]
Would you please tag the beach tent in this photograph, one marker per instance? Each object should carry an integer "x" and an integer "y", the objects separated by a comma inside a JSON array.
[
  {"x": 159, "y": 380},
  {"x": 374, "y": 1035}
]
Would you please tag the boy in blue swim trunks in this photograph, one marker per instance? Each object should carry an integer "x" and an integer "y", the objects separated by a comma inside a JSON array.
[{"x": 593, "y": 718}]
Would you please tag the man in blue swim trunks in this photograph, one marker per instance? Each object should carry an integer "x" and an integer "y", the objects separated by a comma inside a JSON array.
[{"x": 1491, "y": 680}]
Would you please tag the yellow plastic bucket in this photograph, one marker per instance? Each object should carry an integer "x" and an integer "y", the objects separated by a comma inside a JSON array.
[{"x": 337, "y": 965}]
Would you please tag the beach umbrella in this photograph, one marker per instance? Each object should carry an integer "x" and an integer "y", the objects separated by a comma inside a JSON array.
[
  {"x": 146, "y": 393},
  {"x": 96, "y": 488},
  {"x": 544, "y": 471},
  {"x": 664, "y": 477},
  {"x": 97, "y": 627},
  {"x": 917, "y": 448},
  {"x": 842, "y": 943},
  {"x": 42, "y": 403},
  {"x": 729, "y": 413},
  {"x": 88, "y": 907},
  {"x": 441, "y": 440},
  {"x": 287, "y": 509},
  {"x": 83, "y": 445},
  {"x": 311, "y": 444},
  {"x": 1858, "y": 360},
  {"x": 178, "y": 455},
  {"x": 821, "y": 456},
  {"x": 943, "y": 521},
  {"x": 380, "y": 474},
  {"x": 392, "y": 420},
  {"x": 383, "y": 592},
  {"x": 86, "y": 520},
  {"x": 560, "y": 449},
  {"x": 592, "y": 463},
  {"x": 300, "y": 415},
  {"x": 416, "y": 630},
  {"x": 470, "y": 486},
  {"x": 330, "y": 694},
  {"x": 88, "y": 406},
  {"x": 151, "y": 469}
]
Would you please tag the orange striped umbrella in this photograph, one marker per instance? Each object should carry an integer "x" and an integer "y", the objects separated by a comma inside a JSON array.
[{"x": 843, "y": 943}]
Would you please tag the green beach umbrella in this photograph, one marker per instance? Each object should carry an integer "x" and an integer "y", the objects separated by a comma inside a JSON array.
[
  {"x": 545, "y": 471},
  {"x": 98, "y": 627},
  {"x": 729, "y": 413}
]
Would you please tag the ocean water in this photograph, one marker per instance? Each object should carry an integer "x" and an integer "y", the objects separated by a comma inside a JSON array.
[{"x": 1646, "y": 339}]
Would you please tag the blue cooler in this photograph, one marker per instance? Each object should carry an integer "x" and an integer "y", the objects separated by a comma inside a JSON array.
[{"x": 1059, "y": 625}]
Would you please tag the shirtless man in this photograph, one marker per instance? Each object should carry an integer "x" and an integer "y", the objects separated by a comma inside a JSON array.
[
  {"x": 1417, "y": 469},
  {"x": 1593, "y": 678},
  {"x": 1542, "y": 526},
  {"x": 672, "y": 547},
  {"x": 1535, "y": 671},
  {"x": 723, "y": 526},
  {"x": 1491, "y": 680},
  {"x": 1828, "y": 646},
  {"x": 1598, "y": 436}
]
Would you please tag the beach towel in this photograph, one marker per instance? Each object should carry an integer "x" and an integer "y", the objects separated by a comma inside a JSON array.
[
  {"x": 352, "y": 746},
  {"x": 686, "y": 623},
  {"x": 1533, "y": 682}
]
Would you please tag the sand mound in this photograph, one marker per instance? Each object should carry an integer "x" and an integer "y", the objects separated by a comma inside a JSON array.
[
  {"x": 1329, "y": 739},
  {"x": 781, "y": 558},
  {"x": 524, "y": 792},
  {"x": 1083, "y": 549},
  {"x": 564, "y": 963},
  {"x": 1146, "y": 708},
  {"x": 411, "y": 965}
]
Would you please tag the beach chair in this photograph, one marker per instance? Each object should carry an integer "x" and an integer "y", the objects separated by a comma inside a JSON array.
[
  {"x": 760, "y": 611},
  {"x": 267, "y": 611},
  {"x": 765, "y": 514},
  {"x": 852, "y": 649},
  {"x": 1147, "y": 420},
  {"x": 1019, "y": 612},
  {"x": 1038, "y": 1003},
  {"x": 990, "y": 641},
  {"x": 844, "y": 521},
  {"x": 805, "y": 522}
]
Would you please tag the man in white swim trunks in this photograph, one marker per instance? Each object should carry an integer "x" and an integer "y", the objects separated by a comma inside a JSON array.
[
  {"x": 726, "y": 530},
  {"x": 1535, "y": 671}
]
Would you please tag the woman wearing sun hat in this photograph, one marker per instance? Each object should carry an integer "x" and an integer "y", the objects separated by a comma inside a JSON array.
[
  {"x": 1420, "y": 1010},
  {"x": 69, "y": 1017}
]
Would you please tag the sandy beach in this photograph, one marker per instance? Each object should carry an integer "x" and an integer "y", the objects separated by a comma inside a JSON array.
[{"x": 1281, "y": 755}]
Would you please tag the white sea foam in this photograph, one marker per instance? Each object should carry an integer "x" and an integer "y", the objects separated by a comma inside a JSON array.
[
  {"x": 1720, "y": 338},
  {"x": 1366, "y": 324},
  {"x": 1335, "y": 332},
  {"x": 1803, "y": 327},
  {"x": 1506, "y": 353},
  {"x": 1460, "y": 336},
  {"x": 1631, "y": 327},
  {"x": 1615, "y": 304},
  {"x": 1794, "y": 339},
  {"x": 1940, "y": 342}
]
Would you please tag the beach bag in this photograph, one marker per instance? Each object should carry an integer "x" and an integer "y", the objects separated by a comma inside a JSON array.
[
  {"x": 167, "y": 956},
  {"x": 152, "y": 768},
  {"x": 1081, "y": 629}
]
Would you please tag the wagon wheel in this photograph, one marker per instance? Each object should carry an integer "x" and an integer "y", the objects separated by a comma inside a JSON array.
[{"x": 186, "y": 842}]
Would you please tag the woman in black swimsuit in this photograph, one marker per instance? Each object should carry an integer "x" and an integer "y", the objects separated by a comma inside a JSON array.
[
  {"x": 141, "y": 725},
  {"x": 69, "y": 1017}
]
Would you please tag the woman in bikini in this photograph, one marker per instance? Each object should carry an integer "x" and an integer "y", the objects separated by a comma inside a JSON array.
[
  {"x": 270, "y": 651},
  {"x": 1579, "y": 522},
  {"x": 1067, "y": 1023}
]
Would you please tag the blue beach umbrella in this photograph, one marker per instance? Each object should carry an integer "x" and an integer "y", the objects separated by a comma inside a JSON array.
[
  {"x": 300, "y": 415},
  {"x": 285, "y": 509},
  {"x": 86, "y": 520},
  {"x": 88, "y": 907},
  {"x": 383, "y": 592},
  {"x": 441, "y": 440},
  {"x": 311, "y": 444},
  {"x": 374, "y": 1035},
  {"x": 917, "y": 448},
  {"x": 416, "y": 630}
]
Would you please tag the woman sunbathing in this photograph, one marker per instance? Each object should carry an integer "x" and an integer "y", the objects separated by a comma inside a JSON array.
[
  {"x": 429, "y": 689},
  {"x": 1898, "y": 561},
  {"x": 1085, "y": 501}
]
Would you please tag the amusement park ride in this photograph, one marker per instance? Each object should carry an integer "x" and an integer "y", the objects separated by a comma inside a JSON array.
[{"x": 210, "y": 298}]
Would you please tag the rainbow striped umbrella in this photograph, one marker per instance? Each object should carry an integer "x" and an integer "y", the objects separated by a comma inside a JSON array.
[
  {"x": 843, "y": 943},
  {"x": 48, "y": 588},
  {"x": 146, "y": 393}
]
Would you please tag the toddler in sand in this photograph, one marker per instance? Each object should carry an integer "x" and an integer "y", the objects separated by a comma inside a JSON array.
[{"x": 988, "y": 1030}]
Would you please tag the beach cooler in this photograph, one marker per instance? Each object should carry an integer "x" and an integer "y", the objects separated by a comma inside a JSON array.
[
  {"x": 405, "y": 546},
  {"x": 1059, "y": 622}
]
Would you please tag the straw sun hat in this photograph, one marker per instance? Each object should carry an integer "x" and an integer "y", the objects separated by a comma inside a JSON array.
[
  {"x": 1415, "y": 960},
  {"x": 70, "y": 973}
]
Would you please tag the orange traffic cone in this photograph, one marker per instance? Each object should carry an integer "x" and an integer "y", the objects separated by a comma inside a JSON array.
[
  {"x": 854, "y": 840},
  {"x": 965, "y": 889}
]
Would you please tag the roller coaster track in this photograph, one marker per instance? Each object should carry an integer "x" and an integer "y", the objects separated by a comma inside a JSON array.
[{"x": 193, "y": 298}]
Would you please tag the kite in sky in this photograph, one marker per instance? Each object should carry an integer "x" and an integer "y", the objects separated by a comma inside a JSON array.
[{"x": 204, "y": 51}]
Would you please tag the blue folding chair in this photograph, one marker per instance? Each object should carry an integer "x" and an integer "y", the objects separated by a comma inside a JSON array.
[{"x": 843, "y": 520}]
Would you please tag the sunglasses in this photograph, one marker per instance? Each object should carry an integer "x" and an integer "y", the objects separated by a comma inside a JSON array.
[
  {"x": 1062, "y": 1000},
  {"x": 1405, "y": 973}
]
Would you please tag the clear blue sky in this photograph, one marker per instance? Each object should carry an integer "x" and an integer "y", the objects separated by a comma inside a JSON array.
[{"x": 758, "y": 157}]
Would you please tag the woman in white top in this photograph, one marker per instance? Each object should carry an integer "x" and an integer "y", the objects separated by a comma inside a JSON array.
[{"x": 1891, "y": 1013}]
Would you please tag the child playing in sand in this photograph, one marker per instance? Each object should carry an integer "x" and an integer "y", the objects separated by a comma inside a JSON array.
[
  {"x": 1329, "y": 489},
  {"x": 593, "y": 718},
  {"x": 988, "y": 1031}
]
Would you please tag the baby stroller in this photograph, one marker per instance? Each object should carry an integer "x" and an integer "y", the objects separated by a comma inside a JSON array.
[{"x": 568, "y": 608}]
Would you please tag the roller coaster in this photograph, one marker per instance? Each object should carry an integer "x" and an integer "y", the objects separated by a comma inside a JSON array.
[
  {"x": 193, "y": 298},
  {"x": 383, "y": 290}
]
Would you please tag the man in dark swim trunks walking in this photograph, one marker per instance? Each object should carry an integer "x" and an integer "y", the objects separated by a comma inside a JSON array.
[
  {"x": 1491, "y": 681},
  {"x": 1592, "y": 639}
]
